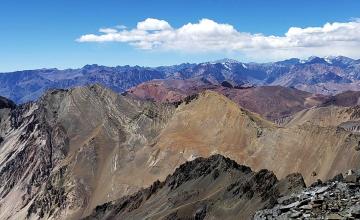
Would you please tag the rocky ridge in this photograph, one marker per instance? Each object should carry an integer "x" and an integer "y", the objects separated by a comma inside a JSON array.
[
  {"x": 205, "y": 188},
  {"x": 51, "y": 159}
]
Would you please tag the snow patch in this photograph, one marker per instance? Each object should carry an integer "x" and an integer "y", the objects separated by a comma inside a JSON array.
[
  {"x": 226, "y": 65},
  {"x": 328, "y": 59},
  {"x": 192, "y": 157}
]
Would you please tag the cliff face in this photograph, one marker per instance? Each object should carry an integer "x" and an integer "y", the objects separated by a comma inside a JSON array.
[{"x": 28, "y": 155}]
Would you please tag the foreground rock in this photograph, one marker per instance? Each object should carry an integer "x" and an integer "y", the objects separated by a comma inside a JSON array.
[
  {"x": 335, "y": 199},
  {"x": 211, "y": 188}
]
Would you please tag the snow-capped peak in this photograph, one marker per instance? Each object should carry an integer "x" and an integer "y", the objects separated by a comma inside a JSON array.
[
  {"x": 329, "y": 59},
  {"x": 224, "y": 61},
  {"x": 314, "y": 59}
]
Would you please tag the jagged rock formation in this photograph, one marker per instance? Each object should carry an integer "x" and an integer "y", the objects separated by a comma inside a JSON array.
[
  {"x": 75, "y": 149},
  {"x": 211, "y": 188},
  {"x": 334, "y": 199}
]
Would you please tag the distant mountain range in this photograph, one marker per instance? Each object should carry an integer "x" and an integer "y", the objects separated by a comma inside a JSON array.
[{"x": 329, "y": 75}]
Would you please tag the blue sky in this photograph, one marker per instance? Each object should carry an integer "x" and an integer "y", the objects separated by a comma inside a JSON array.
[{"x": 39, "y": 33}]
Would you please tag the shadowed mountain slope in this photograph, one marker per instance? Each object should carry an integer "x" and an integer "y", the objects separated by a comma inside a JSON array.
[
  {"x": 348, "y": 98},
  {"x": 6, "y": 103}
]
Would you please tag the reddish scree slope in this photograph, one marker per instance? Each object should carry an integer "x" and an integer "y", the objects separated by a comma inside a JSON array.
[{"x": 271, "y": 102}]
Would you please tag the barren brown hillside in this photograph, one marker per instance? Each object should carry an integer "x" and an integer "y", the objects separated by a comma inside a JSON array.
[
  {"x": 88, "y": 145},
  {"x": 271, "y": 102}
]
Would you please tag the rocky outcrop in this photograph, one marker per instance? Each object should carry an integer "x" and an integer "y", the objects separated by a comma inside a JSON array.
[{"x": 335, "y": 199}]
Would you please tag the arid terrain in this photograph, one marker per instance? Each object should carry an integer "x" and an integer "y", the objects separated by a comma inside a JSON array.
[{"x": 73, "y": 150}]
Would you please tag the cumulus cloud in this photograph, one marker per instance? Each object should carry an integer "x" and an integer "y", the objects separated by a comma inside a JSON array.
[
  {"x": 107, "y": 30},
  {"x": 152, "y": 24},
  {"x": 120, "y": 26},
  {"x": 207, "y": 35}
]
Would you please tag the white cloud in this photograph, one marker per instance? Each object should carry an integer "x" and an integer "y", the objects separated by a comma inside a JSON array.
[
  {"x": 207, "y": 35},
  {"x": 120, "y": 26},
  {"x": 152, "y": 24},
  {"x": 107, "y": 30}
]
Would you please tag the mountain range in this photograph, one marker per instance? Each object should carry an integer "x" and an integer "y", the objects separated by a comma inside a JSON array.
[
  {"x": 329, "y": 75},
  {"x": 275, "y": 103},
  {"x": 90, "y": 152},
  {"x": 216, "y": 140}
]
